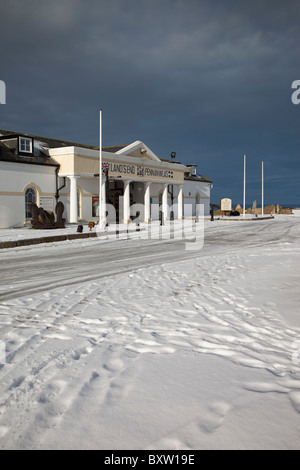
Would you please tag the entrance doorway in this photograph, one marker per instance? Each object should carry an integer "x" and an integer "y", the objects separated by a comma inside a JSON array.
[
  {"x": 115, "y": 192},
  {"x": 114, "y": 200}
]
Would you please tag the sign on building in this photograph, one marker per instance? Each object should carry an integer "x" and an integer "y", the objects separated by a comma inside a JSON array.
[{"x": 47, "y": 203}]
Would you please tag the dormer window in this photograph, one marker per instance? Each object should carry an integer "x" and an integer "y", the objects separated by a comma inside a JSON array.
[{"x": 25, "y": 145}]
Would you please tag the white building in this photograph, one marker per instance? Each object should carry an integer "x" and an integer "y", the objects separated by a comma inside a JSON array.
[{"x": 42, "y": 170}]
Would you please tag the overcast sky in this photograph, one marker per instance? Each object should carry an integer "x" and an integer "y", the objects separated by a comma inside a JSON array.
[{"x": 210, "y": 80}]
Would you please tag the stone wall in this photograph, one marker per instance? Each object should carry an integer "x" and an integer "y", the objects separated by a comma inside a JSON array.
[{"x": 270, "y": 209}]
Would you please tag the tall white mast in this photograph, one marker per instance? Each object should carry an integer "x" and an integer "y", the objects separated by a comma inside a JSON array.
[
  {"x": 100, "y": 170},
  {"x": 244, "y": 198},
  {"x": 262, "y": 188}
]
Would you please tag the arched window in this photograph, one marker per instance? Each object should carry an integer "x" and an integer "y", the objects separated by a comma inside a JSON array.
[{"x": 30, "y": 197}]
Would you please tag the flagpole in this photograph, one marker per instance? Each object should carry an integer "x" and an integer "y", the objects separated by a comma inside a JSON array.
[
  {"x": 244, "y": 197},
  {"x": 262, "y": 188},
  {"x": 100, "y": 170}
]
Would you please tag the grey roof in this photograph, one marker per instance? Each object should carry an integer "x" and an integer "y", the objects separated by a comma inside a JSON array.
[
  {"x": 49, "y": 143},
  {"x": 199, "y": 178},
  {"x": 114, "y": 148},
  {"x": 55, "y": 143},
  {"x": 40, "y": 147},
  {"x": 11, "y": 154},
  {"x": 41, "y": 157}
]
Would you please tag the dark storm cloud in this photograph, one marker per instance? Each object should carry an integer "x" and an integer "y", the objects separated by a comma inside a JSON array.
[{"x": 208, "y": 79}]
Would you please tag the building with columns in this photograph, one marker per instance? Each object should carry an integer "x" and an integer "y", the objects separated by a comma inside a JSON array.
[{"x": 134, "y": 180}]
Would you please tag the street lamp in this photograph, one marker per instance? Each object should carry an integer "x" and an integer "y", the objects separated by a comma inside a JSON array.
[{"x": 170, "y": 190}]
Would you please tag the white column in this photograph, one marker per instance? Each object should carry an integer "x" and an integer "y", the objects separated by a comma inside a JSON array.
[
  {"x": 244, "y": 195},
  {"x": 165, "y": 206},
  {"x": 73, "y": 218},
  {"x": 180, "y": 201},
  {"x": 126, "y": 202},
  {"x": 262, "y": 188},
  {"x": 147, "y": 201},
  {"x": 100, "y": 173}
]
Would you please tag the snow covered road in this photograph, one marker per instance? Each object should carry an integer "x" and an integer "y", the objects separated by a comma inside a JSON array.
[
  {"x": 159, "y": 347},
  {"x": 34, "y": 269}
]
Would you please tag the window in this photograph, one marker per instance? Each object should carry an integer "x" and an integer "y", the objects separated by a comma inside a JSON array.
[
  {"x": 25, "y": 145},
  {"x": 95, "y": 206},
  {"x": 30, "y": 197}
]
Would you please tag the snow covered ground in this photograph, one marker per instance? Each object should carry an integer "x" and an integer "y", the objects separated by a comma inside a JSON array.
[{"x": 140, "y": 344}]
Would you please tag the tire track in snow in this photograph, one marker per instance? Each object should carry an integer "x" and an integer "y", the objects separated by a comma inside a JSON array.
[
  {"x": 52, "y": 396},
  {"x": 35, "y": 270},
  {"x": 99, "y": 343}
]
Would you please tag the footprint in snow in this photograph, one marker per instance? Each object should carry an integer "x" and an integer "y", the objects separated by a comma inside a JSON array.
[{"x": 213, "y": 417}]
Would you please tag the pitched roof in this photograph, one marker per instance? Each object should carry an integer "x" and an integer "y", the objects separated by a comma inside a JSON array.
[
  {"x": 50, "y": 143},
  {"x": 11, "y": 154},
  {"x": 43, "y": 143},
  {"x": 114, "y": 148},
  {"x": 199, "y": 178},
  {"x": 54, "y": 143},
  {"x": 40, "y": 156}
]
